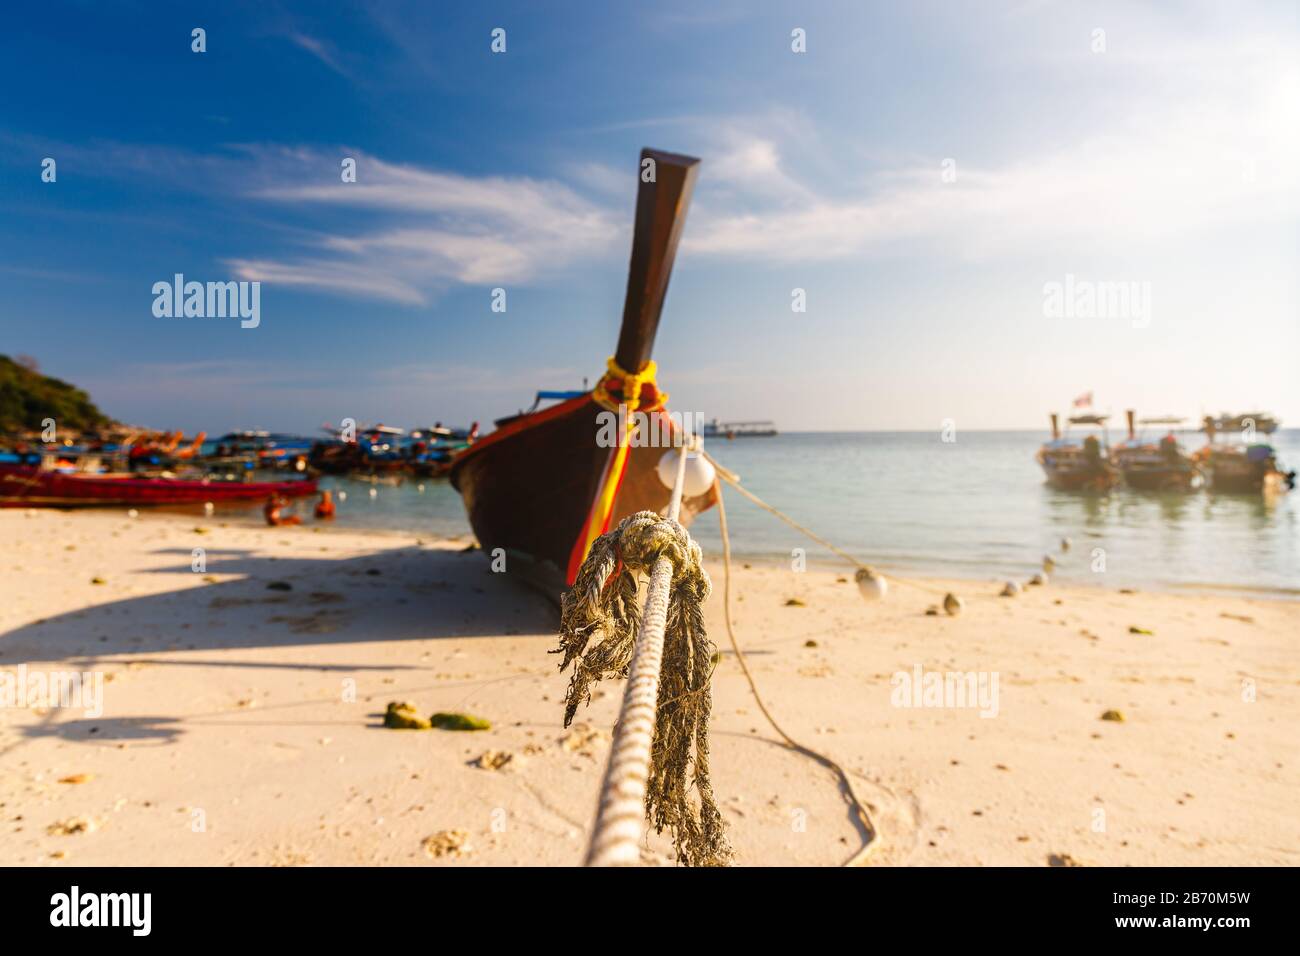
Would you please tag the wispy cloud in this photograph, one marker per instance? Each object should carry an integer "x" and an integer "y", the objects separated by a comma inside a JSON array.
[
  {"x": 1209, "y": 137},
  {"x": 320, "y": 50},
  {"x": 436, "y": 229},
  {"x": 355, "y": 279},
  {"x": 1152, "y": 173}
]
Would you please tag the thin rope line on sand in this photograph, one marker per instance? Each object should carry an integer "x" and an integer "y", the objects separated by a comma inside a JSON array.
[{"x": 873, "y": 838}]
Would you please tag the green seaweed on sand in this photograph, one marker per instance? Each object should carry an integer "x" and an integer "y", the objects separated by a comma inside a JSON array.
[
  {"x": 448, "y": 720},
  {"x": 402, "y": 715}
]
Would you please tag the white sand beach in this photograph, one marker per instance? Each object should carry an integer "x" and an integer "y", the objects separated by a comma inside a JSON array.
[{"x": 241, "y": 723}]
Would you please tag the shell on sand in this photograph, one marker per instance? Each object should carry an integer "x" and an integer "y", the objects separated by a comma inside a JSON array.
[{"x": 871, "y": 584}]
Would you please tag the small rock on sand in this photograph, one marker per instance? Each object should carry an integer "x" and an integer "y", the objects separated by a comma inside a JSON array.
[
  {"x": 447, "y": 843},
  {"x": 493, "y": 759},
  {"x": 1113, "y": 715},
  {"x": 579, "y": 738},
  {"x": 72, "y": 825}
]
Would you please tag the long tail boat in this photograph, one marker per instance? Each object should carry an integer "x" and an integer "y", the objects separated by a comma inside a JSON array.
[
  {"x": 30, "y": 485},
  {"x": 1073, "y": 465},
  {"x": 543, "y": 486},
  {"x": 1155, "y": 465},
  {"x": 1236, "y": 462}
]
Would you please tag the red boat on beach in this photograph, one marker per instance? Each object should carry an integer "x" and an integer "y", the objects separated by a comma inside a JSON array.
[{"x": 26, "y": 486}]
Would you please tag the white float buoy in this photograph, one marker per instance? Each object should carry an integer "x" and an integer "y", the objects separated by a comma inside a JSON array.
[
  {"x": 374, "y": 492},
  {"x": 420, "y": 488},
  {"x": 1011, "y": 589},
  {"x": 871, "y": 584},
  {"x": 343, "y": 496},
  {"x": 952, "y": 604},
  {"x": 208, "y": 507},
  {"x": 699, "y": 472},
  {"x": 133, "y": 513}
]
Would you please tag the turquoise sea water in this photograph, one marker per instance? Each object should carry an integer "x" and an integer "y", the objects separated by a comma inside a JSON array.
[{"x": 976, "y": 508}]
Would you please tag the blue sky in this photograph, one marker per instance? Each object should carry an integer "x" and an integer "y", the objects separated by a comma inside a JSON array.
[{"x": 1170, "y": 159}]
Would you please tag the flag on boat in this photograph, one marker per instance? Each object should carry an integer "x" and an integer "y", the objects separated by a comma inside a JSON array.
[{"x": 1084, "y": 400}]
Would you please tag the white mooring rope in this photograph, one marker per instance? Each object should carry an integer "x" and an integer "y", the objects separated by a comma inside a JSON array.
[{"x": 620, "y": 818}]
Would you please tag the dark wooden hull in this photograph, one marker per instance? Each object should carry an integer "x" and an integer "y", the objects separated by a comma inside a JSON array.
[
  {"x": 528, "y": 486},
  {"x": 1239, "y": 480},
  {"x": 1150, "y": 468},
  {"x": 353, "y": 459},
  {"x": 1149, "y": 478},
  {"x": 1236, "y": 472},
  {"x": 1073, "y": 473}
]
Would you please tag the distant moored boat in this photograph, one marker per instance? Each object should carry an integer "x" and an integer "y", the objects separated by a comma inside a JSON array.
[
  {"x": 1235, "y": 462},
  {"x": 30, "y": 485},
  {"x": 1074, "y": 465},
  {"x": 717, "y": 429},
  {"x": 1155, "y": 465}
]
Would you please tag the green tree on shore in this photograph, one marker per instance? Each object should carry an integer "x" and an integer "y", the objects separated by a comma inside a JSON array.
[{"x": 27, "y": 398}]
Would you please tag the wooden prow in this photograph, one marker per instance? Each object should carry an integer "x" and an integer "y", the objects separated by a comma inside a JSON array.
[
  {"x": 661, "y": 207},
  {"x": 1056, "y": 427},
  {"x": 193, "y": 449}
]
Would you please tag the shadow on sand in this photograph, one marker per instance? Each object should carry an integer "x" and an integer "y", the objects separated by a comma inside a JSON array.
[
  {"x": 274, "y": 604},
  {"x": 402, "y": 594}
]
